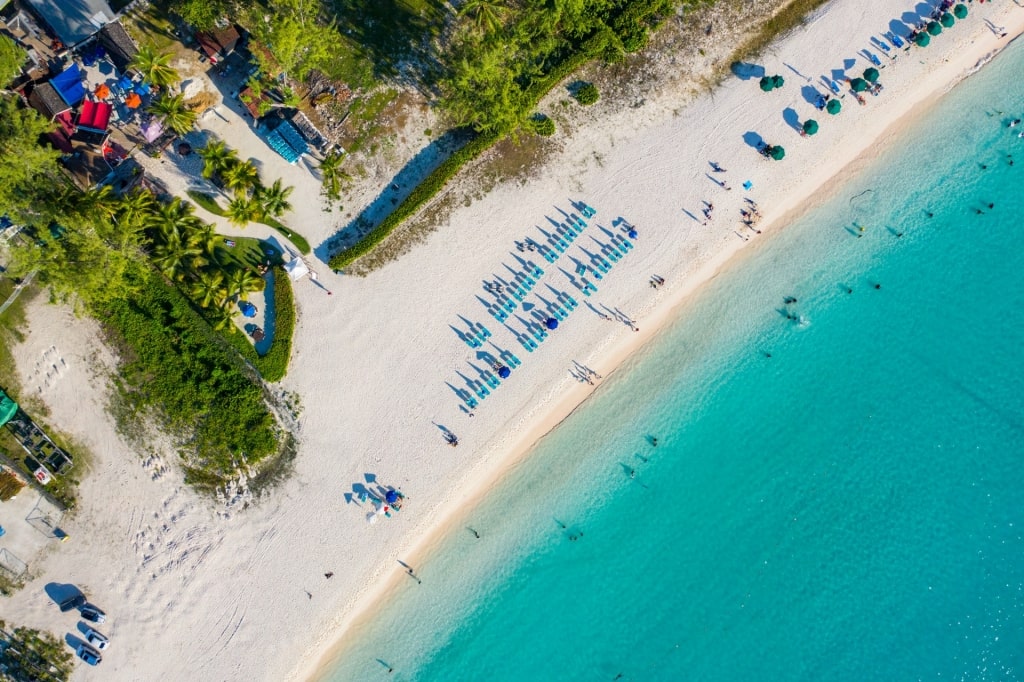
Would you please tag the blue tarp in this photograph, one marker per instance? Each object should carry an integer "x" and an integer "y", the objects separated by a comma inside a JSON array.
[{"x": 69, "y": 85}]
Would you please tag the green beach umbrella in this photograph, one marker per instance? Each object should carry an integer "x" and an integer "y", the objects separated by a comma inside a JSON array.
[
  {"x": 858, "y": 85},
  {"x": 767, "y": 84},
  {"x": 922, "y": 40},
  {"x": 777, "y": 153},
  {"x": 810, "y": 126},
  {"x": 833, "y": 107},
  {"x": 871, "y": 74},
  {"x": 934, "y": 28},
  {"x": 947, "y": 20},
  {"x": 779, "y": 81},
  {"x": 960, "y": 11}
]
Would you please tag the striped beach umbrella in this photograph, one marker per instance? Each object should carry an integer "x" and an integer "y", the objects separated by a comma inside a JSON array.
[
  {"x": 922, "y": 39},
  {"x": 767, "y": 84},
  {"x": 960, "y": 11},
  {"x": 858, "y": 85},
  {"x": 833, "y": 107},
  {"x": 947, "y": 20},
  {"x": 871, "y": 74},
  {"x": 934, "y": 28},
  {"x": 810, "y": 126}
]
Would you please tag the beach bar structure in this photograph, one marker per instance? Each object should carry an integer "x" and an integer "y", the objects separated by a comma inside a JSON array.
[
  {"x": 73, "y": 21},
  {"x": 49, "y": 458}
]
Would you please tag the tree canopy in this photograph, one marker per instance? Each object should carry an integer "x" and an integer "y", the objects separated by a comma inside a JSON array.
[{"x": 12, "y": 57}]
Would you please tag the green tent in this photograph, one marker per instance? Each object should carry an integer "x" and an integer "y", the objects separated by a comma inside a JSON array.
[
  {"x": 767, "y": 84},
  {"x": 934, "y": 28},
  {"x": 922, "y": 40},
  {"x": 960, "y": 11},
  {"x": 8, "y": 408},
  {"x": 859, "y": 85},
  {"x": 833, "y": 107},
  {"x": 871, "y": 74},
  {"x": 777, "y": 153},
  {"x": 947, "y": 20},
  {"x": 810, "y": 126},
  {"x": 779, "y": 81}
]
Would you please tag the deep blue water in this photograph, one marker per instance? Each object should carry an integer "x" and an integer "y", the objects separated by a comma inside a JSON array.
[{"x": 849, "y": 508}]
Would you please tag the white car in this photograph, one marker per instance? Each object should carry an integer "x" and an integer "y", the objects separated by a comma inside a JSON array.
[{"x": 97, "y": 639}]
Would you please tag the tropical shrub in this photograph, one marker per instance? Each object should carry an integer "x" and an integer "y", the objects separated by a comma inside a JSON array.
[{"x": 586, "y": 94}]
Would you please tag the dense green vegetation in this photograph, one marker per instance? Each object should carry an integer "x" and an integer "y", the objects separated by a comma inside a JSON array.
[
  {"x": 176, "y": 368},
  {"x": 28, "y": 655},
  {"x": 274, "y": 365},
  {"x": 11, "y": 59}
]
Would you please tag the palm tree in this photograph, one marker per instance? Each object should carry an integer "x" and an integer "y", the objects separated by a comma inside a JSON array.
[
  {"x": 208, "y": 289},
  {"x": 273, "y": 200},
  {"x": 173, "y": 220},
  {"x": 487, "y": 14},
  {"x": 98, "y": 201},
  {"x": 136, "y": 207},
  {"x": 172, "y": 257},
  {"x": 206, "y": 239},
  {"x": 217, "y": 157},
  {"x": 155, "y": 68},
  {"x": 220, "y": 317},
  {"x": 332, "y": 175},
  {"x": 241, "y": 176},
  {"x": 175, "y": 115},
  {"x": 241, "y": 281},
  {"x": 242, "y": 210}
]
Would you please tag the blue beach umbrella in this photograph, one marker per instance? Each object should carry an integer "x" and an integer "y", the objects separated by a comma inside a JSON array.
[
  {"x": 504, "y": 372},
  {"x": 391, "y": 497},
  {"x": 551, "y": 323}
]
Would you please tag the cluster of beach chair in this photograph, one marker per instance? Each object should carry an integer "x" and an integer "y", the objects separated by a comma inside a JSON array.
[{"x": 488, "y": 378}]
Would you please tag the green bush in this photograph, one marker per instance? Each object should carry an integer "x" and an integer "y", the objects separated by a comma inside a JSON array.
[
  {"x": 175, "y": 365},
  {"x": 542, "y": 125},
  {"x": 423, "y": 193},
  {"x": 205, "y": 201},
  {"x": 587, "y": 94},
  {"x": 274, "y": 365}
]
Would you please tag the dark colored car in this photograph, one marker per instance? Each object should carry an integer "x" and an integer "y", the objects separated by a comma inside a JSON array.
[
  {"x": 75, "y": 602},
  {"x": 93, "y": 614},
  {"x": 88, "y": 654}
]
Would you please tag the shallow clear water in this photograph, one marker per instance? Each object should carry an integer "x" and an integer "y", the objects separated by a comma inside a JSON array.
[{"x": 849, "y": 508}]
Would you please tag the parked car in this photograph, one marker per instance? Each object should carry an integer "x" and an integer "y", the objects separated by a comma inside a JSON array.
[
  {"x": 93, "y": 614},
  {"x": 97, "y": 639},
  {"x": 75, "y": 602},
  {"x": 88, "y": 654}
]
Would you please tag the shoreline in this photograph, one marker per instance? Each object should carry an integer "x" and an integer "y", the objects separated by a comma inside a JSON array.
[{"x": 498, "y": 460}]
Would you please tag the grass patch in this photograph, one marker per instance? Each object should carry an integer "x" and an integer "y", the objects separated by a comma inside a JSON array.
[
  {"x": 786, "y": 19},
  {"x": 175, "y": 366},
  {"x": 151, "y": 25},
  {"x": 210, "y": 204},
  {"x": 206, "y": 201},
  {"x": 364, "y": 119}
]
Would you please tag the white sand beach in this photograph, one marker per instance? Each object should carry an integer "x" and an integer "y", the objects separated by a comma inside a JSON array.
[{"x": 207, "y": 591}]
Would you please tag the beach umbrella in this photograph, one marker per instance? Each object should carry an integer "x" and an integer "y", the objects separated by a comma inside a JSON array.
[
  {"x": 947, "y": 20},
  {"x": 960, "y": 11},
  {"x": 391, "y": 497},
  {"x": 871, "y": 74},
  {"x": 102, "y": 91},
  {"x": 248, "y": 309},
  {"x": 934, "y": 28},
  {"x": 922, "y": 40},
  {"x": 833, "y": 107},
  {"x": 810, "y": 126},
  {"x": 504, "y": 372},
  {"x": 551, "y": 323},
  {"x": 777, "y": 153},
  {"x": 125, "y": 83},
  {"x": 132, "y": 101},
  {"x": 858, "y": 85},
  {"x": 767, "y": 84},
  {"x": 633, "y": 234},
  {"x": 779, "y": 81}
]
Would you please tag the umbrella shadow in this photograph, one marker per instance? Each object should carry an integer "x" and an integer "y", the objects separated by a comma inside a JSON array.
[
  {"x": 753, "y": 140},
  {"x": 745, "y": 70},
  {"x": 791, "y": 118},
  {"x": 900, "y": 28},
  {"x": 810, "y": 94}
]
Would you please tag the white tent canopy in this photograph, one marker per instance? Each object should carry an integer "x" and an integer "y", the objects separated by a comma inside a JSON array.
[{"x": 296, "y": 269}]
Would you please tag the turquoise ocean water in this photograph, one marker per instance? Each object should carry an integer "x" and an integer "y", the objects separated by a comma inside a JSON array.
[{"x": 851, "y": 508}]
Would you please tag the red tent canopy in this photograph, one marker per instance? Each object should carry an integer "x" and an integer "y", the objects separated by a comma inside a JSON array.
[{"x": 94, "y": 116}]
